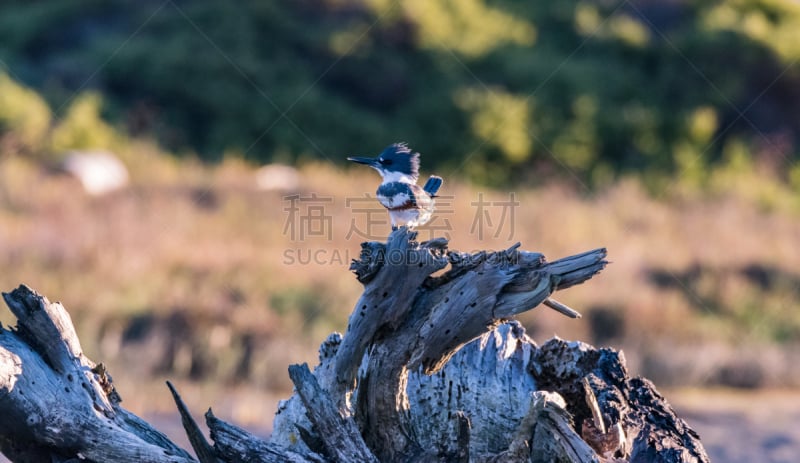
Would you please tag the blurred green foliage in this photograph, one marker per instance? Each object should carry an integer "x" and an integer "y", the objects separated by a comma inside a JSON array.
[
  {"x": 24, "y": 117},
  {"x": 490, "y": 89},
  {"x": 81, "y": 126},
  {"x": 27, "y": 125}
]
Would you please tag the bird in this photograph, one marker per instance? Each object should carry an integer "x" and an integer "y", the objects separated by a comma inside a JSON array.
[{"x": 408, "y": 204}]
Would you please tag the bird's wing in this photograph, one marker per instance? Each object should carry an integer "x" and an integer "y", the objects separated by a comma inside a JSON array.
[{"x": 399, "y": 195}]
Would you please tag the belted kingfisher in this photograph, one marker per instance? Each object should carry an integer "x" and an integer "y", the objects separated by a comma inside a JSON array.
[{"x": 408, "y": 204}]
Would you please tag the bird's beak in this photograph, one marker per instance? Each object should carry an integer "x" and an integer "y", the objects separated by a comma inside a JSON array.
[{"x": 372, "y": 162}]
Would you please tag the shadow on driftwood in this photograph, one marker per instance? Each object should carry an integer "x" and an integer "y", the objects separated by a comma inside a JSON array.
[{"x": 430, "y": 369}]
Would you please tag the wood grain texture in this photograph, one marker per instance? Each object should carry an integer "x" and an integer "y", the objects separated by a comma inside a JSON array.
[
  {"x": 233, "y": 444},
  {"x": 342, "y": 441}
]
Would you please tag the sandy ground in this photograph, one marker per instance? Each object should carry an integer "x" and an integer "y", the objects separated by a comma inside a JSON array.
[
  {"x": 735, "y": 426},
  {"x": 743, "y": 426}
]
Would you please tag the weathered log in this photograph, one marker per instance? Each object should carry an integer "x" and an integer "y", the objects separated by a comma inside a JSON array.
[
  {"x": 413, "y": 320},
  {"x": 56, "y": 404},
  {"x": 430, "y": 369}
]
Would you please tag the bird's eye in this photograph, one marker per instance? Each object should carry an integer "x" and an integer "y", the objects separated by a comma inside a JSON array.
[{"x": 385, "y": 162}]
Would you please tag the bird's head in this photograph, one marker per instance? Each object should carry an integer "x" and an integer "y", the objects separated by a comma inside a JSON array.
[{"x": 396, "y": 160}]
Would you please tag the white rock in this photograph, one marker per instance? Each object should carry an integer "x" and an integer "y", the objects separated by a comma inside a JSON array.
[
  {"x": 277, "y": 177},
  {"x": 99, "y": 172}
]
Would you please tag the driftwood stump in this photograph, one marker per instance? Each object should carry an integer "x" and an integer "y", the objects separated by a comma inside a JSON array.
[
  {"x": 56, "y": 404},
  {"x": 431, "y": 368}
]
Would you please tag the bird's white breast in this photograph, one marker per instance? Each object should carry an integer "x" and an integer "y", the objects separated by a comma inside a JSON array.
[
  {"x": 389, "y": 177},
  {"x": 408, "y": 217}
]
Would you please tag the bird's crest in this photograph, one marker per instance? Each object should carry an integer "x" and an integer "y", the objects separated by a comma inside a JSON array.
[{"x": 401, "y": 158}]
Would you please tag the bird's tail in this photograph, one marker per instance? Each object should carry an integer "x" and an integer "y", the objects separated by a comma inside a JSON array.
[{"x": 432, "y": 185}]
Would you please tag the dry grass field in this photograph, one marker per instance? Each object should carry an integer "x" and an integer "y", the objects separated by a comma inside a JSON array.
[{"x": 194, "y": 274}]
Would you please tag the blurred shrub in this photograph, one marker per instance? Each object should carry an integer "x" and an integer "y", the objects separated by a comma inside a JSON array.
[
  {"x": 774, "y": 23},
  {"x": 501, "y": 118},
  {"x": 82, "y": 127},
  {"x": 24, "y": 117},
  {"x": 27, "y": 125},
  {"x": 469, "y": 27}
]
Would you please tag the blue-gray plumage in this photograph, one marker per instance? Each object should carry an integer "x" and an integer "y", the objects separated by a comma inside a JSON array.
[
  {"x": 432, "y": 185},
  {"x": 408, "y": 203}
]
